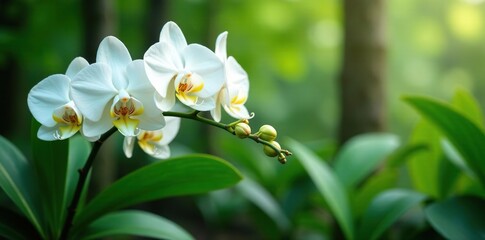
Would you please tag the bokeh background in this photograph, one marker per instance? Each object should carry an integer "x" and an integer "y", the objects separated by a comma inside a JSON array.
[{"x": 292, "y": 51}]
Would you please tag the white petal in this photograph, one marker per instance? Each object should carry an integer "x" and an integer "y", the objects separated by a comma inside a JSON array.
[
  {"x": 170, "y": 130},
  {"x": 92, "y": 89},
  {"x": 201, "y": 60},
  {"x": 161, "y": 152},
  {"x": 140, "y": 87},
  {"x": 47, "y": 133},
  {"x": 205, "y": 104},
  {"x": 166, "y": 103},
  {"x": 92, "y": 129},
  {"x": 216, "y": 112},
  {"x": 236, "y": 76},
  {"x": 113, "y": 52},
  {"x": 90, "y": 139},
  {"x": 221, "y": 46},
  {"x": 76, "y": 66},
  {"x": 172, "y": 35},
  {"x": 162, "y": 63},
  {"x": 151, "y": 123},
  {"x": 241, "y": 112},
  {"x": 46, "y": 96},
  {"x": 128, "y": 145}
]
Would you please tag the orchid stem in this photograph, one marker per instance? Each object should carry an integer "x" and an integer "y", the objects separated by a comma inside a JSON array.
[{"x": 83, "y": 174}]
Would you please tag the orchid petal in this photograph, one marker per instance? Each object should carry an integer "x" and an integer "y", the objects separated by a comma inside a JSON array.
[
  {"x": 162, "y": 63},
  {"x": 236, "y": 76},
  {"x": 127, "y": 126},
  {"x": 47, "y": 95},
  {"x": 221, "y": 46},
  {"x": 92, "y": 89},
  {"x": 205, "y": 104},
  {"x": 172, "y": 35},
  {"x": 47, "y": 133},
  {"x": 151, "y": 123},
  {"x": 140, "y": 87},
  {"x": 92, "y": 129},
  {"x": 216, "y": 112},
  {"x": 170, "y": 130},
  {"x": 128, "y": 145},
  {"x": 90, "y": 139},
  {"x": 76, "y": 66},
  {"x": 202, "y": 61},
  {"x": 155, "y": 150},
  {"x": 113, "y": 52},
  {"x": 239, "y": 111},
  {"x": 166, "y": 103}
]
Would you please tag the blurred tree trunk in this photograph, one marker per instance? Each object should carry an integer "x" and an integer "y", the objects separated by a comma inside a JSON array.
[
  {"x": 100, "y": 21},
  {"x": 363, "y": 71},
  {"x": 157, "y": 16}
]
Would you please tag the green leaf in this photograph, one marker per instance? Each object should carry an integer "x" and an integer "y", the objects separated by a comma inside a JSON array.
[
  {"x": 424, "y": 165},
  {"x": 376, "y": 184},
  {"x": 465, "y": 135},
  {"x": 50, "y": 163},
  {"x": 360, "y": 156},
  {"x": 404, "y": 153},
  {"x": 263, "y": 199},
  {"x": 467, "y": 105},
  {"x": 14, "y": 226},
  {"x": 385, "y": 209},
  {"x": 19, "y": 183},
  {"x": 136, "y": 223},
  {"x": 189, "y": 174},
  {"x": 458, "y": 218},
  {"x": 79, "y": 150},
  {"x": 328, "y": 184}
]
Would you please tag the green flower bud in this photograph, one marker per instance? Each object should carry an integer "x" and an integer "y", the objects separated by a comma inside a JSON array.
[
  {"x": 242, "y": 130},
  {"x": 267, "y": 133},
  {"x": 269, "y": 151}
]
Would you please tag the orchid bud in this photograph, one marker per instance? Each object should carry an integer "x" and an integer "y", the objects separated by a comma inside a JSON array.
[
  {"x": 242, "y": 130},
  {"x": 267, "y": 133},
  {"x": 269, "y": 151}
]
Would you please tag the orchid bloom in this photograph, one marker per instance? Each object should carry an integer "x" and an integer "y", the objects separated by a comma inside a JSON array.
[
  {"x": 51, "y": 105},
  {"x": 155, "y": 143},
  {"x": 235, "y": 90},
  {"x": 115, "y": 91},
  {"x": 191, "y": 73}
]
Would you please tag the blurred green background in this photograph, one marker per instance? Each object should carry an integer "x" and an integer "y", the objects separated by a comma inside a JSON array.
[{"x": 291, "y": 50}]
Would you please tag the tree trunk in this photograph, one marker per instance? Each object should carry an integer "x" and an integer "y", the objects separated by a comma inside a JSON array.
[{"x": 363, "y": 71}]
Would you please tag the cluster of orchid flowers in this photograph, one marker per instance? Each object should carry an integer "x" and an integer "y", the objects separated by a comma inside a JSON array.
[{"x": 132, "y": 95}]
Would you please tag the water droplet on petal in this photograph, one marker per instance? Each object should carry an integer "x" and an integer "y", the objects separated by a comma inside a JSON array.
[{"x": 57, "y": 135}]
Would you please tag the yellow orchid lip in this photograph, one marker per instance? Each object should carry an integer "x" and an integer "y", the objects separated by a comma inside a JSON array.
[
  {"x": 68, "y": 120},
  {"x": 147, "y": 140},
  {"x": 124, "y": 111},
  {"x": 189, "y": 84}
]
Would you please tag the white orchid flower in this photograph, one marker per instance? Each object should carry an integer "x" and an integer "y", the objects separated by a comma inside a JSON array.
[
  {"x": 192, "y": 73},
  {"x": 51, "y": 105},
  {"x": 235, "y": 90},
  {"x": 115, "y": 91},
  {"x": 154, "y": 143}
]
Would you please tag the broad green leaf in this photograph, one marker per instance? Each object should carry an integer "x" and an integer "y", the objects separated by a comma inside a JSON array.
[
  {"x": 385, "y": 209},
  {"x": 465, "y": 135},
  {"x": 361, "y": 155},
  {"x": 329, "y": 185},
  {"x": 79, "y": 150},
  {"x": 18, "y": 181},
  {"x": 467, "y": 105},
  {"x": 50, "y": 164},
  {"x": 184, "y": 175},
  {"x": 263, "y": 199},
  {"x": 454, "y": 157},
  {"x": 14, "y": 226},
  {"x": 404, "y": 153},
  {"x": 424, "y": 165},
  {"x": 135, "y": 223},
  {"x": 448, "y": 175},
  {"x": 458, "y": 218},
  {"x": 376, "y": 184}
]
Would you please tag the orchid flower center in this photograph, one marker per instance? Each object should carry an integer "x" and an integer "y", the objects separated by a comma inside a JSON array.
[
  {"x": 68, "y": 119},
  {"x": 188, "y": 85},
  {"x": 147, "y": 140},
  {"x": 125, "y": 110}
]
